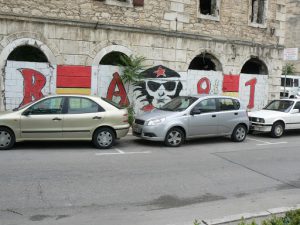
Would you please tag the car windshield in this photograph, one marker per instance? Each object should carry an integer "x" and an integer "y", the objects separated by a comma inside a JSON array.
[
  {"x": 24, "y": 106},
  {"x": 179, "y": 104},
  {"x": 280, "y": 105}
]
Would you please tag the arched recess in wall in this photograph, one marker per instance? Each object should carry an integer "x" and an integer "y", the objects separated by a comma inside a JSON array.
[
  {"x": 26, "y": 43},
  {"x": 27, "y": 53},
  {"x": 255, "y": 66},
  {"x": 205, "y": 61},
  {"x": 105, "y": 55}
]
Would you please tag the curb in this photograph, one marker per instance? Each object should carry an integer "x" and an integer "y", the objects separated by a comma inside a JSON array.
[{"x": 235, "y": 219}]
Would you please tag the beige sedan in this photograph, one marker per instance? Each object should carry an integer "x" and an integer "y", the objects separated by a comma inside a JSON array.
[{"x": 65, "y": 117}]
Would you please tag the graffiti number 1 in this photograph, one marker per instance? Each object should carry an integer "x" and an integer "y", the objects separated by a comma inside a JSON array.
[{"x": 252, "y": 84}]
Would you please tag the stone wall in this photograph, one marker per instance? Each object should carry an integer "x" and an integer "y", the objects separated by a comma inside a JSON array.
[
  {"x": 167, "y": 15},
  {"x": 293, "y": 29},
  {"x": 169, "y": 33}
]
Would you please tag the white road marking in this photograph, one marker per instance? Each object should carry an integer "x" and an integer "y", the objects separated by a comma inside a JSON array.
[
  {"x": 258, "y": 140},
  {"x": 275, "y": 143},
  {"x": 266, "y": 142},
  {"x": 120, "y": 152}
]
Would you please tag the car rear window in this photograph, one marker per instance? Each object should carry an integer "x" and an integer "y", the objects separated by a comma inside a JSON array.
[{"x": 113, "y": 103}]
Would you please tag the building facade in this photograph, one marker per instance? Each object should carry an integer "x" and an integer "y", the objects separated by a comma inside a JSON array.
[
  {"x": 293, "y": 29},
  {"x": 191, "y": 47}
]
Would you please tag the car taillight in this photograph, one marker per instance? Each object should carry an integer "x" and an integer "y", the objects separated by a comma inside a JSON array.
[{"x": 125, "y": 119}]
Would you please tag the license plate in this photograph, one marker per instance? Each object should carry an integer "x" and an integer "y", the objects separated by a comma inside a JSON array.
[{"x": 137, "y": 129}]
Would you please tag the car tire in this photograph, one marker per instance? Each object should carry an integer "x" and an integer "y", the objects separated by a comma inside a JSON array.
[
  {"x": 277, "y": 130},
  {"x": 239, "y": 133},
  {"x": 7, "y": 138},
  {"x": 174, "y": 137},
  {"x": 104, "y": 138}
]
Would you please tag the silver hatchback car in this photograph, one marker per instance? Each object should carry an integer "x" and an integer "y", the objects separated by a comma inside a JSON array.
[{"x": 188, "y": 117}]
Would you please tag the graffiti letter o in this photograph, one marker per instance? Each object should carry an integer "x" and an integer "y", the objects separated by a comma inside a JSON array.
[{"x": 199, "y": 86}]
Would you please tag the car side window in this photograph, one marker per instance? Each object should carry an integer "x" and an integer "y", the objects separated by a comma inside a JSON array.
[
  {"x": 297, "y": 105},
  {"x": 207, "y": 105},
  {"x": 47, "y": 106},
  {"x": 228, "y": 104},
  {"x": 77, "y": 105}
]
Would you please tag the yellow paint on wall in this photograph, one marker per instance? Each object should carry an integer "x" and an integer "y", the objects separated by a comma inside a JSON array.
[
  {"x": 231, "y": 94},
  {"x": 81, "y": 91}
]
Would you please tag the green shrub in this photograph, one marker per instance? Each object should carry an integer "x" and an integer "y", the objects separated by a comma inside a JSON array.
[{"x": 290, "y": 218}]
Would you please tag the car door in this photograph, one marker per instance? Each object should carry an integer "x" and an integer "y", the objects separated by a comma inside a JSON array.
[
  {"x": 293, "y": 118},
  {"x": 81, "y": 118},
  {"x": 43, "y": 120},
  {"x": 228, "y": 114},
  {"x": 205, "y": 123}
]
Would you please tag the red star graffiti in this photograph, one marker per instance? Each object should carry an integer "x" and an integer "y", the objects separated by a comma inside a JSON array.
[{"x": 160, "y": 72}]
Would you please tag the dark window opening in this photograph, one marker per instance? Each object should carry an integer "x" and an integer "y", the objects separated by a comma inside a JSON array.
[
  {"x": 258, "y": 11},
  {"x": 254, "y": 66},
  {"x": 114, "y": 59},
  {"x": 208, "y": 7},
  {"x": 205, "y": 62},
  {"x": 27, "y": 53}
]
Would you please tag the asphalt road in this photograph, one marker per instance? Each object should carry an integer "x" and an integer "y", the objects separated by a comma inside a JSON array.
[{"x": 141, "y": 182}]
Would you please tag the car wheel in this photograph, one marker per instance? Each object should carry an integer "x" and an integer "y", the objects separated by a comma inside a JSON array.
[
  {"x": 174, "y": 137},
  {"x": 277, "y": 130},
  {"x": 7, "y": 138},
  {"x": 104, "y": 138},
  {"x": 239, "y": 133}
]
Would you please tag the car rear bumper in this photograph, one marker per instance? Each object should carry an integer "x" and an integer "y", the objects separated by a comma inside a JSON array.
[{"x": 122, "y": 131}]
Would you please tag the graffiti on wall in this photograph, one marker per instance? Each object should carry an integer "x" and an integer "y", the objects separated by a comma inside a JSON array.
[
  {"x": 160, "y": 85},
  {"x": 26, "y": 82},
  {"x": 116, "y": 91},
  {"x": 73, "y": 80}
]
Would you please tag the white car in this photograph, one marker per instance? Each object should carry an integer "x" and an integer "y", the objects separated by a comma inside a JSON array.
[{"x": 276, "y": 117}]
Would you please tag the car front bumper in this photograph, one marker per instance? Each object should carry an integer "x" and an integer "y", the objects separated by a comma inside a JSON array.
[
  {"x": 260, "y": 127},
  {"x": 152, "y": 133}
]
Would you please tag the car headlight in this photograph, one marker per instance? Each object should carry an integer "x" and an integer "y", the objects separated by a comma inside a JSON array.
[
  {"x": 260, "y": 120},
  {"x": 155, "y": 122}
]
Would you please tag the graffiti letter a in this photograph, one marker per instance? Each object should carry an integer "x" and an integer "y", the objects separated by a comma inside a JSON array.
[
  {"x": 116, "y": 89},
  {"x": 34, "y": 82}
]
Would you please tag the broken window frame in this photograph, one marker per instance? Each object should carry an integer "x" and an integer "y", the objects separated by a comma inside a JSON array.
[
  {"x": 211, "y": 16},
  {"x": 254, "y": 20}
]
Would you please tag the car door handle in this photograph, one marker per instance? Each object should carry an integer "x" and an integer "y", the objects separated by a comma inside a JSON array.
[
  {"x": 213, "y": 116},
  {"x": 236, "y": 114},
  {"x": 97, "y": 118},
  {"x": 56, "y": 119}
]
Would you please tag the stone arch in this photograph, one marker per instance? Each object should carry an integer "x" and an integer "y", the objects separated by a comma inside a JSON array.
[
  {"x": 111, "y": 48},
  {"x": 254, "y": 65},
  {"x": 205, "y": 61},
  {"x": 26, "y": 41}
]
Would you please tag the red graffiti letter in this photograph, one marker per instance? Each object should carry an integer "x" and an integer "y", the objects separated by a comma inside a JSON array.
[
  {"x": 200, "y": 83},
  {"x": 34, "y": 82},
  {"x": 117, "y": 83},
  {"x": 252, "y": 84}
]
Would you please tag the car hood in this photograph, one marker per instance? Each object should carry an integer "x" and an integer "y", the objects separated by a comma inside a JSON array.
[
  {"x": 266, "y": 114},
  {"x": 156, "y": 114},
  {"x": 5, "y": 113}
]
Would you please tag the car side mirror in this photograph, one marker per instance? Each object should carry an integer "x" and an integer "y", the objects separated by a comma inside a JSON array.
[
  {"x": 195, "y": 112},
  {"x": 294, "y": 111}
]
